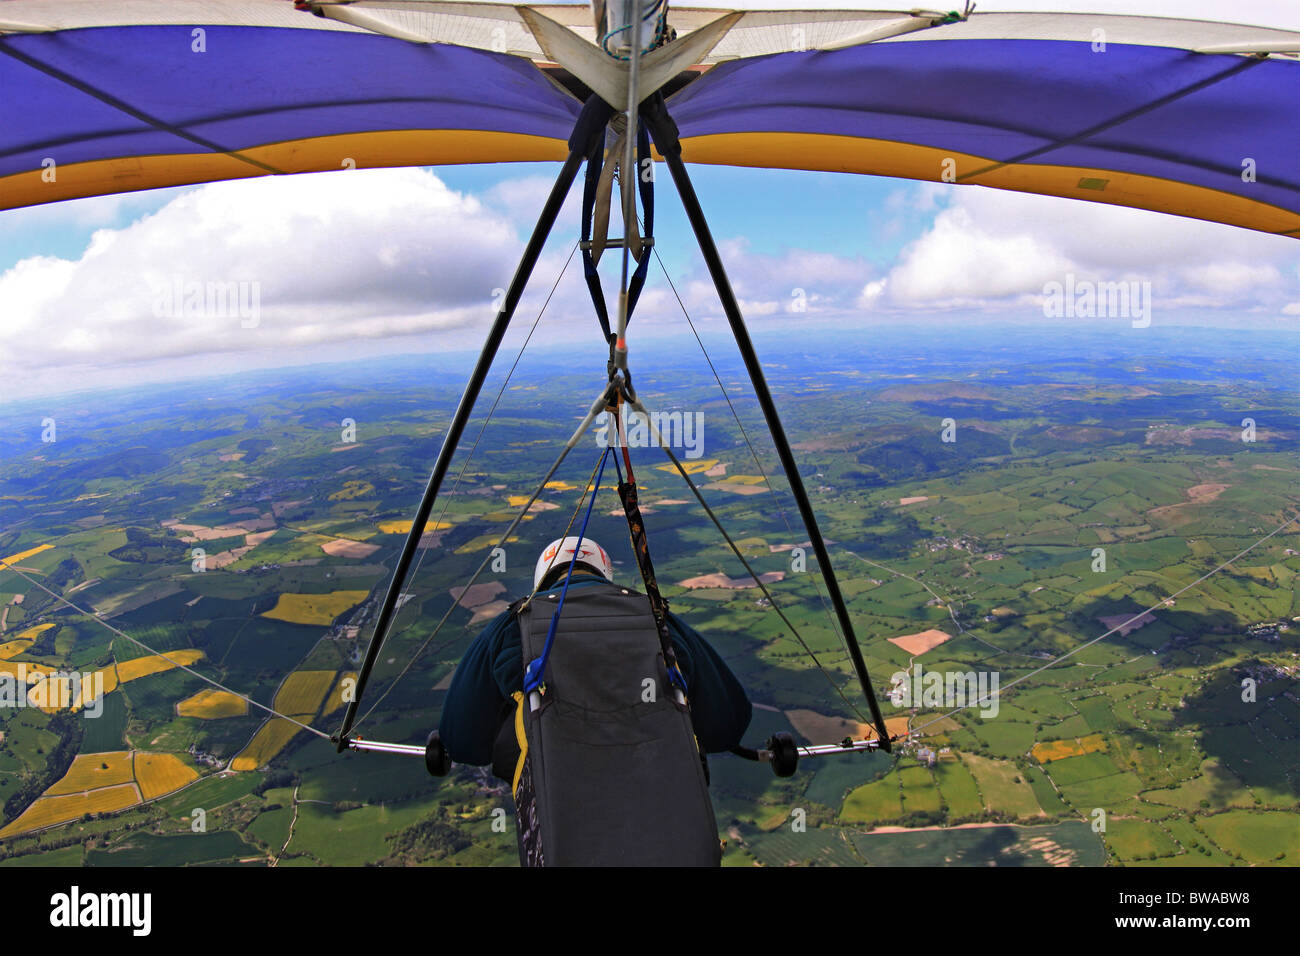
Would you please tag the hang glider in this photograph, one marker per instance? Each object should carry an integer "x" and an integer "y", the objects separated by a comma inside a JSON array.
[{"x": 1186, "y": 117}]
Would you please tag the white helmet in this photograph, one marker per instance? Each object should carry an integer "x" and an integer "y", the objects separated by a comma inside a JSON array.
[{"x": 559, "y": 553}]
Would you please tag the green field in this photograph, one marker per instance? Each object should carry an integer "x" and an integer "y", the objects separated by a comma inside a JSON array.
[
  {"x": 960, "y": 792},
  {"x": 1255, "y": 837},
  {"x": 1062, "y": 450},
  {"x": 1003, "y": 787},
  {"x": 147, "y": 849},
  {"x": 1064, "y": 843},
  {"x": 873, "y": 802},
  {"x": 104, "y": 733}
]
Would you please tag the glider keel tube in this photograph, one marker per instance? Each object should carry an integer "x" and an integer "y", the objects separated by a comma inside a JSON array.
[
  {"x": 664, "y": 131},
  {"x": 591, "y": 124}
]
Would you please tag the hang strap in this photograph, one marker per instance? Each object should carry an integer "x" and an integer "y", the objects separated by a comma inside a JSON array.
[
  {"x": 597, "y": 197},
  {"x": 627, "y": 493}
]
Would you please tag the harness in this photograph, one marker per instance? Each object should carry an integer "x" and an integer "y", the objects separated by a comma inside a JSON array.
[
  {"x": 609, "y": 771},
  {"x": 535, "y": 671}
]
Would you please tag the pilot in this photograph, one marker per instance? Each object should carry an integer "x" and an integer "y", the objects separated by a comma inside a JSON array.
[{"x": 605, "y": 724}]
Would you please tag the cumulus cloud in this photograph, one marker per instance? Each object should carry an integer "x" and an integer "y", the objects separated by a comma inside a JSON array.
[
  {"x": 796, "y": 282},
  {"x": 322, "y": 258},
  {"x": 993, "y": 250},
  {"x": 995, "y": 253},
  {"x": 358, "y": 262}
]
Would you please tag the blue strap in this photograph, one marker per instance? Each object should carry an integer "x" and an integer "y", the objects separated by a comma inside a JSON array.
[{"x": 536, "y": 669}]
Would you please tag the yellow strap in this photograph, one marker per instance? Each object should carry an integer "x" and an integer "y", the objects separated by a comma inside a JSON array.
[{"x": 522, "y": 740}]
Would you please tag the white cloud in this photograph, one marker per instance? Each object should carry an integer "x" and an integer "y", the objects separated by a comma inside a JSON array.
[
  {"x": 78, "y": 213},
  {"x": 994, "y": 250},
  {"x": 795, "y": 283},
  {"x": 361, "y": 262},
  {"x": 331, "y": 257},
  {"x": 871, "y": 293},
  {"x": 965, "y": 259},
  {"x": 1233, "y": 278},
  {"x": 521, "y": 200}
]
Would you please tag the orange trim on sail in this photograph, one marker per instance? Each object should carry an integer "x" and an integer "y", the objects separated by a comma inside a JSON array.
[
  {"x": 852, "y": 154},
  {"x": 419, "y": 147}
]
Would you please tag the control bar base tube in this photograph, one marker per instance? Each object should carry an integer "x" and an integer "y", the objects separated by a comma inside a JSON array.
[
  {"x": 820, "y": 750},
  {"x": 378, "y": 747},
  {"x": 823, "y": 750}
]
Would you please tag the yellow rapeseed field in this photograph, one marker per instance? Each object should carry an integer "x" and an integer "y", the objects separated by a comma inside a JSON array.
[
  {"x": 319, "y": 609},
  {"x": 23, "y": 640},
  {"x": 399, "y": 526},
  {"x": 48, "y": 811},
  {"x": 13, "y": 558},
  {"x": 58, "y": 693},
  {"x": 92, "y": 771},
  {"x": 26, "y": 669},
  {"x": 352, "y": 489},
  {"x": 53, "y": 694},
  {"x": 104, "y": 783},
  {"x": 269, "y": 740},
  {"x": 483, "y": 542},
  {"x": 1060, "y": 749},
  {"x": 211, "y": 704},
  {"x": 303, "y": 691},
  {"x": 335, "y": 699},
  {"x": 158, "y": 774},
  {"x": 33, "y": 632},
  {"x": 157, "y": 663},
  {"x": 691, "y": 467},
  {"x": 86, "y": 693}
]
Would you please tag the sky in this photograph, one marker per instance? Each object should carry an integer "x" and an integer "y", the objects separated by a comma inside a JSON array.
[{"x": 360, "y": 263}]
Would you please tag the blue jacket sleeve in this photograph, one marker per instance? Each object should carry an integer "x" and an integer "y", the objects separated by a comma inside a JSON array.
[
  {"x": 485, "y": 678},
  {"x": 720, "y": 708}
]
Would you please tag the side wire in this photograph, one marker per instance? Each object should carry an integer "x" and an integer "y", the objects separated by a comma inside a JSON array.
[
  {"x": 465, "y": 466},
  {"x": 638, "y": 406},
  {"x": 1119, "y": 627},
  {"x": 437, "y": 524},
  {"x": 189, "y": 670},
  {"x": 564, "y": 453},
  {"x": 780, "y": 507}
]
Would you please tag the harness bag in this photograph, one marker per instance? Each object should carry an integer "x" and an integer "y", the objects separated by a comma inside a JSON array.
[{"x": 610, "y": 773}]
